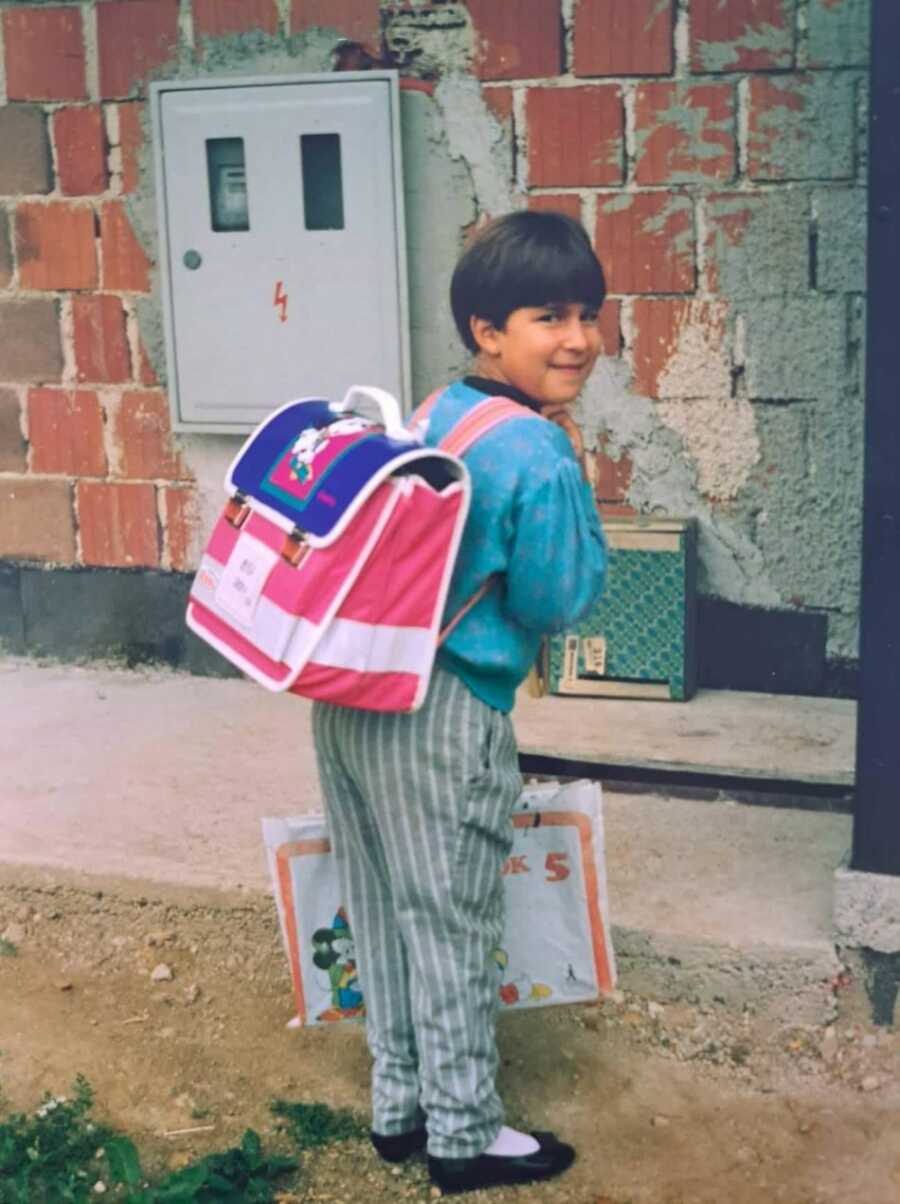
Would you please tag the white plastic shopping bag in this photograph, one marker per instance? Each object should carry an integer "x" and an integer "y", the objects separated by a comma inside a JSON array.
[{"x": 556, "y": 945}]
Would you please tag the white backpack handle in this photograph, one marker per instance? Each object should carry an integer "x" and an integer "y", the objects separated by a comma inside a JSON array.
[{"x": 387, "y": 404}]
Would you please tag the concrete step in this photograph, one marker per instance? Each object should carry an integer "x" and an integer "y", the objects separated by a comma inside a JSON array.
[{"x": 161, "y": 779}]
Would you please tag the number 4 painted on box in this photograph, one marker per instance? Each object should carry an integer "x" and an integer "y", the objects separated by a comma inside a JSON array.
[{"x": 281, "y": 298}]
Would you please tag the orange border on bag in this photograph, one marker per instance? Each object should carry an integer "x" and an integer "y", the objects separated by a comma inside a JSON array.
[
  {"x": 283, "y": 855},
  {"x": 559, "y": 819},
  {"x": 521, "y": 819}
]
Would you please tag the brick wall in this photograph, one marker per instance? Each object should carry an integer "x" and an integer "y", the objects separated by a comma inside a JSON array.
[{"x": 714, "y": 150}]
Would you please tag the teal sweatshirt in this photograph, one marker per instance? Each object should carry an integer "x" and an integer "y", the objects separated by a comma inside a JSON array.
[{"x": 533, "y": 520}]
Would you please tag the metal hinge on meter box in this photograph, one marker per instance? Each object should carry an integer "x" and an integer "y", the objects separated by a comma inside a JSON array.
[{"x": 327, "y": 573}]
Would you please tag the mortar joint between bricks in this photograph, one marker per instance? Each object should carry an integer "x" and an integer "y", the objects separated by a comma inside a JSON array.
[
  {"x": 801, "y": 34},
  {"x": 520, "y": 139},
  {"x": 283, "y": 10},
  {"x": 69, "y": 378},
  {"x": 701, "y": 232},
  {"x": 133, "y": 338},
  {"x": 186, "y": 26},
  {"x": 91, "y": 51},
  {"x": 567, "y": 16},
  {"x": 681, "y": 35},
  {"x": 629, "y": 100},
  {"x": 742, "y": 129}
]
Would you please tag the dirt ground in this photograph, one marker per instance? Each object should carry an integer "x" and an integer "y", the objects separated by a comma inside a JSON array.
[{"x": 666, "y": 1105}]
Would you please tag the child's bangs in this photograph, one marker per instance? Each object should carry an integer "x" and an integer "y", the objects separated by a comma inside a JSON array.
[{"x": 558, "y": 274}]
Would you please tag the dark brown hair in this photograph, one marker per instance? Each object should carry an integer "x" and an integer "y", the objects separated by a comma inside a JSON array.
[{"x": 527, "y": 258}]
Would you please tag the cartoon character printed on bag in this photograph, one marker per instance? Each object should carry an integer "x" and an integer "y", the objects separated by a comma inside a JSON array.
[
  {"x": 520, "y": 988},
  {"x": 314, "y": 440},
  {"x": 336, "y": 954}
]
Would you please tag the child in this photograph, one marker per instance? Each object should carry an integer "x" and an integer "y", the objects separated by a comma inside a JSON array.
[{"x": 419, "y": 806}]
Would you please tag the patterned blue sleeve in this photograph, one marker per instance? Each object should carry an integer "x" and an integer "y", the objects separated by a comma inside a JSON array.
[{"x": 557, "y": 565}]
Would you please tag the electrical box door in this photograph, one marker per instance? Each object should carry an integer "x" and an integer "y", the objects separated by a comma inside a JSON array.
[{"x": 282, "y": 237}]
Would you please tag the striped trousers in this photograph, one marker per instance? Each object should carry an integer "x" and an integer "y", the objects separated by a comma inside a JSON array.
[{"x": 419, "y": 815}]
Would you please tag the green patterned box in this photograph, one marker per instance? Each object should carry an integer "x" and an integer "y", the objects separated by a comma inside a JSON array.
[{"x": 638, "y": 642}]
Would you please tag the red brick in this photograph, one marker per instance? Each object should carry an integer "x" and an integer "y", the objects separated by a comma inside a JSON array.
[
  {"x": 575, "y": 136},
  {"x": 219, "y": 18},
  {"x": 518, "y": 39},
  {"x": 141, "y": 430},
  {"x": 685, "y": 133},
  {"x": 134, "y": 39},
  {"x": 612, "y": 478},
  {"x": 742, "y": 35},
  {"x": 645, "y": 241},
  {"x": 557, "y": 202},
  {"x": 131, "y": 143},
  {"x": 126, "y": 267},
  {"x": 610, "y": 323},
  {"x": 55, "y": 245},
  {"x": 179, "y": 523},
  {"x": 30, "y": 341},
  {"x": 12, "y": 445},
  {"x": 38, "y": 523},
  {"x": 45, "y": 57},
  {"x": 358, "y": 20},
  {"x": 500, "y": 102},
  {"x": 118, "y": 524},
  {"x": 659, "y": 324},
  {"x": 624, "y": 37},
  {"x": 80, "y": 150},
  {"x": 6, "y": 263},
  {"x": 25, "y": 163},
  {"x": 101, "y": 340},
  {"x": 65, "y": 430}
]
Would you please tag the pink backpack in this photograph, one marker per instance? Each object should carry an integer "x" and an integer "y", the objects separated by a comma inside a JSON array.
[{"x": 327, "y": 573}]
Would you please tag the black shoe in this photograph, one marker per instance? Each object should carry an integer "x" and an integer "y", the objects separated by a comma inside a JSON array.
[
  {"x": 453, "y": 1175},
  {"x": 400, "y": 1145}
]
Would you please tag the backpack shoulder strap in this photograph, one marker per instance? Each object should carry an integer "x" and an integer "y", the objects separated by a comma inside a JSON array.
[{"x": 482, "y": 418}]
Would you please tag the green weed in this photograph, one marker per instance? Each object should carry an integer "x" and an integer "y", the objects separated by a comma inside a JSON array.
[
  {"x": 311, "y": 1125},
  {"x": 58, "y": 1155},
  {"x": 52, "y": 1154},
  {"x": 7, "y": 948}
]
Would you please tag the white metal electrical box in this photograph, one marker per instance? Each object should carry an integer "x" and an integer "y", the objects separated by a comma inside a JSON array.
[{"x": 282, "y": 242}]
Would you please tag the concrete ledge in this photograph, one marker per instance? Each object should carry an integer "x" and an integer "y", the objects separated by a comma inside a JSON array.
[
  {"x": 788, "y": 984},
  {"x": 867, "y": 910}
]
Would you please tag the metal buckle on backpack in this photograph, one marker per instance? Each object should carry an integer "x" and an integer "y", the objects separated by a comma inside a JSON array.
[
  {"x": 294, "y": 547},
  {"x": 237, "y": 510}
]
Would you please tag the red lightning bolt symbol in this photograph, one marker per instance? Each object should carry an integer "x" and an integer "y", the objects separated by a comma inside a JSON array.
[{"x": 281, "y": 298}]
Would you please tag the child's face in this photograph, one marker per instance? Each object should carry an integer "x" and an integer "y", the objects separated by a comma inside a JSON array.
[{"x": 546, "y": 351}]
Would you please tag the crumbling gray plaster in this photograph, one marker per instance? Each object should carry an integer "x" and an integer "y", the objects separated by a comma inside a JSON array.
[
  {"x": 758, "y": 243},
  {"x": 811, "y": 133},
  {"x": 796, "y": 345},
  {"x": 664, "y": 481},
  {"x": 838, "y": 32},
  {"x": 439, "y": 206},
  {"x": 841, "y": 217}
]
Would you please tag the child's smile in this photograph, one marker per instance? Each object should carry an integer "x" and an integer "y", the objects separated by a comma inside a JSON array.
[{"x": 546, "y": 351}]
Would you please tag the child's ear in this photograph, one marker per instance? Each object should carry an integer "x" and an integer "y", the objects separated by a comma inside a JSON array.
[{"x": 484, "y": 332}]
